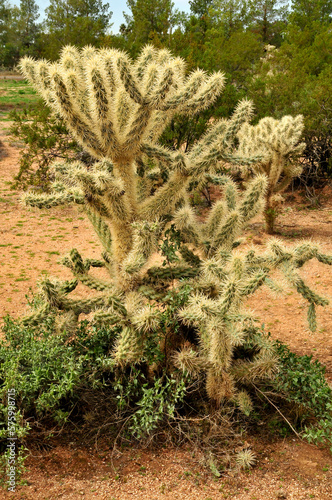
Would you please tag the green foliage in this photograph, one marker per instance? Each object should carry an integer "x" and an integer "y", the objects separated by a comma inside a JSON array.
[
  {"x": 39, "y": 366},
  {"x": 46, "y": 138},
  {"x": 49, "y": 372},
  {"x": 311, "y": 14},
  {"x": 269, "y": 19},
  {"x": 150, "y": 21},
  {"x": 19, "y": 33},
  {"x": 74, "y": 22},
  {"x": 61, "y": 379},
  {"x": 27, "y": 27},
  {"x": 301, "y": 382},
  {"x": 157, "y": 403},
  {"x": 297, "y": 78},
  {"x": 52, "y": 374}
]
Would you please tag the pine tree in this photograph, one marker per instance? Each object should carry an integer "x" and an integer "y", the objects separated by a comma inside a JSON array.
[
  {"x": 75, "y": 22},
  {"x": 9, "y": 53},
  {"x": 268, "y": 18},
  {"x": 230, "y": 15},
  {"x": 27, "y": 26},
  {"x": 305, "y": 14},
  {"x": 150, "y": 21},
  {"x": 135, "y": 195}
]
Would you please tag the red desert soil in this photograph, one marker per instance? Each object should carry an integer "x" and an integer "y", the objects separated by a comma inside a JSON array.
[{"x": 30, "y": 245}]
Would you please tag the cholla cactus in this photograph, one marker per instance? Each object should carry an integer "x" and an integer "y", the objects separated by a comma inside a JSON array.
[
  {"x": 135, "y": 193},
  {"x": 278, "y": 142}
]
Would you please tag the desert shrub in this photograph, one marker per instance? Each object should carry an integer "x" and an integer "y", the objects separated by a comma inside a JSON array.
[
  {"x": 302, "y": 380},
  {"x": 63, "y": 382},
  {"x": 39, "y": 365},
  {"x": 302, "y": 383},
  {"x": 46, "y": 139}
]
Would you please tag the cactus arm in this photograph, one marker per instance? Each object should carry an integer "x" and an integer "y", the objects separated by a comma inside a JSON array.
[
  {"x": 137, "y": 129},
  {"x": 206, "y": 95},
  {"x": 251, "y": 204},
  {"x": 227, "y": 231},
  {"x": 100, "y": 106},
  {"x": 128, "y": 79},
  {"x": 38, "y": 316},
  {"x": 242, "y": 113},
  {"x": 145, "y": 239},
  {"x": 128, "y": 347},
  {"x": 80, "y": 129},
  {"x": 191, "y": 87},
  {"x": 215, "y": 216},
  {"x": 161, "y": 87},
  {"x": 53, "y": 199},
  {"x": 165, "y": 198},
  {"x": 147, "y": 56},
  {"x": 106, "y": 316},
  {"x": 186, "y": 221},
  {"x": 159, "y": 153},
  {"x": 101, "y": 229}
]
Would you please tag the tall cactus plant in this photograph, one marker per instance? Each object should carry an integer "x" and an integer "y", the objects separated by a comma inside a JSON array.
[
  {"x": 135, "y": 196},
  {"x": 279, "y": 143}
]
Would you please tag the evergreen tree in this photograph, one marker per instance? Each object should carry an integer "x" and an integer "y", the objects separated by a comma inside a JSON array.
[
  {"x": 200, "y": 13},
  {"x": 5, "y": 14},
  {"x": 27, "y": 27},
  {"x": 9, "y": 51},
  {"x": 268, "y": 18},
  {"x": 79, "y": 22},
  {"x": 296, "y": 78},
  {"x": 308, "y": 12},
  {"x": 150, "y": 21},
  {"x": 230, "y": 15}
]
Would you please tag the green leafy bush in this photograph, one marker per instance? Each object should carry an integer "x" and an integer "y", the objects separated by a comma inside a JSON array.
[
  {"x": 47, "y": 139},
  {"x": 301, "y": 382},
  {"x": 39, "y": 365},
  {"x": 52, "y": 373}
]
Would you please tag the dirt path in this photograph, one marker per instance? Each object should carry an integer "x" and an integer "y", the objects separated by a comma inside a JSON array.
[{"x": 31, "y": 242}]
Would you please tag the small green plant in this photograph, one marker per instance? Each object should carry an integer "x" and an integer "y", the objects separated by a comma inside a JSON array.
[
  {"x": 39, "y": 365},
  {"x": 157, "y": 403},
  {"x": 301, "y": 382}
]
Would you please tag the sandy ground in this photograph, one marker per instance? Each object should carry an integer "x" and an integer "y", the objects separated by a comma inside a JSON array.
[{"x": 31, "y": 242}]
